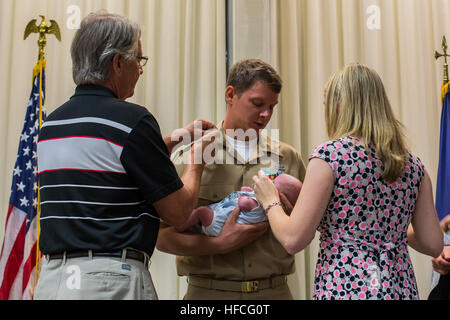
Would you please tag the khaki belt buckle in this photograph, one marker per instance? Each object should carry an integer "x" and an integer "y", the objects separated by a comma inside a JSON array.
[{"x": 249, "y": 286}]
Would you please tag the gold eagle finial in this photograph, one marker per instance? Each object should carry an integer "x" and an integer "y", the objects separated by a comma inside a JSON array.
[{"x": 42, "y": 29}]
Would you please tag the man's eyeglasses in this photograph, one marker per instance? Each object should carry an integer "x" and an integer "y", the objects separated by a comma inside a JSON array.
[{"x": 142, "y": 60}]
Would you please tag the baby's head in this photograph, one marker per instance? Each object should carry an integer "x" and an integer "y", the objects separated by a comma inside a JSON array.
[{"x": 288, "y": 185}]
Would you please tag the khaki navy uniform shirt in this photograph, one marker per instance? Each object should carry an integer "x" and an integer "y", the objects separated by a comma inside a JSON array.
[{"x": 265, "y": 257}]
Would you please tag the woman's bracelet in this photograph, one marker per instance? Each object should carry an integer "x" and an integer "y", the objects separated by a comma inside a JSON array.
[{"x": 273, "y": 204}]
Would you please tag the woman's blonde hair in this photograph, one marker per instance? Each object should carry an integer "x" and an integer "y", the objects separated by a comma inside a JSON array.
[{"x": 356, "y": 104}]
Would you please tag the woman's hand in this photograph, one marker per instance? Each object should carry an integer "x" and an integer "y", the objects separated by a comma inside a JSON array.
[{"x": 265, "y": 190}]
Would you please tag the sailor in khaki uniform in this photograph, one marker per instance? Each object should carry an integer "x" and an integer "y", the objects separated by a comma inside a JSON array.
[{"x": 244, "y": 261}]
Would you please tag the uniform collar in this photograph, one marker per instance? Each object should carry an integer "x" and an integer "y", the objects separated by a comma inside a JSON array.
[
  {"x": 266, "y": 146},
  {"x": 93, "y": 90}
]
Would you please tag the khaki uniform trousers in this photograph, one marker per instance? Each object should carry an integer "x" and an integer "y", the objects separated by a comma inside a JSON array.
[{"x": 96, "y": 278}]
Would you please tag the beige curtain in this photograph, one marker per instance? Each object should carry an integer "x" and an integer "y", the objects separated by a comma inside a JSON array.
[
  {"x": 311, "y": 39},
  {"x": 183, "y": 80}
]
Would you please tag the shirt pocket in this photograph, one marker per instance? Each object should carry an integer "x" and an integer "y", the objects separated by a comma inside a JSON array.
[{"x": 209, "y": 194}]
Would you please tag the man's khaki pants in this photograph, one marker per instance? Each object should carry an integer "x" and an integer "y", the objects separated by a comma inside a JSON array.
[{"x": 96, "y": 278}]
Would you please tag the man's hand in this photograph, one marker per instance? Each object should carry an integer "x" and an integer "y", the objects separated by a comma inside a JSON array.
[
  {"x": 198, "y": 127},
  {"x": 235, "y": 235},
  {"x": 187, "y": 134}
]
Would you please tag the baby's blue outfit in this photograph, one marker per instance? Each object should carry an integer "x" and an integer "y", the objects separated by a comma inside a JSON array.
[{"x": 224, "y": 208}]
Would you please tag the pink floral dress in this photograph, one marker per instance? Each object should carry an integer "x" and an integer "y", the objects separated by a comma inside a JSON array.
[{"x": 363, "y": 243}]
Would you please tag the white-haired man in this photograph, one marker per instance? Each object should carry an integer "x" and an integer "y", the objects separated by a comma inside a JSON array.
[{"x": 105, "y": 174}]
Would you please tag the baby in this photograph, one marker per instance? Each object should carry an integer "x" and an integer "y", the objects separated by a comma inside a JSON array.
[{"x": 213, "y": 217}]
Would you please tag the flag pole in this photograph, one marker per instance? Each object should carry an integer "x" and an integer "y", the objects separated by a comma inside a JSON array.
[
  {"x": 38, "y": 69},
  {"x": 438, "y": 55},
  {"x": 441, "y": 283}
]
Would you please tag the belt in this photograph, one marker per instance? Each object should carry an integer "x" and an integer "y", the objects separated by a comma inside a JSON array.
[
  {"x": 124, "y": 253},
  {"x": 238, "y": 286}
]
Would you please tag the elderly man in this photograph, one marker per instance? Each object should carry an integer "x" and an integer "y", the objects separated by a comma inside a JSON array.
[
  {"x": 105, "y": 174},
  {"x": 244, "y": 261}
]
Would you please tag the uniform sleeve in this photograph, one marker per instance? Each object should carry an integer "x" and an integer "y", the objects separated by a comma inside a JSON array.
[
  {"x": 301, "y": 168},
  {"x": 147, "y": 162}
]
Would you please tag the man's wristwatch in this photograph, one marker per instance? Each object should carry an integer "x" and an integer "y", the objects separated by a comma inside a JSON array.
[{"x": 273, "y": 204}]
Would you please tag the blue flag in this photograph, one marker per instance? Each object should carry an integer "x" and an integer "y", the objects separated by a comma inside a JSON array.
[{"x": 443, "y": 178}]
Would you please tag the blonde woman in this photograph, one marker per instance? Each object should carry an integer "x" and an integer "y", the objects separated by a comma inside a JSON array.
[{"x": 361, "y": 192}]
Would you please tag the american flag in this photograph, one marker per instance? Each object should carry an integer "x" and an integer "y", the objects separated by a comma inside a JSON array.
[{"x": 18, "y": 256}]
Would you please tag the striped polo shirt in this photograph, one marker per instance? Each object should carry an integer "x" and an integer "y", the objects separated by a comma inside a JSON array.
[{"x": 102, "y": 163}]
